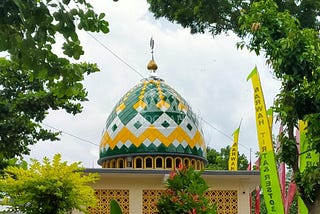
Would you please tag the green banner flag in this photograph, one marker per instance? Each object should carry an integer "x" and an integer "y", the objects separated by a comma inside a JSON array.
[
  {"x": 308, "y": 158},
  {"x": 268, "y": 169}
]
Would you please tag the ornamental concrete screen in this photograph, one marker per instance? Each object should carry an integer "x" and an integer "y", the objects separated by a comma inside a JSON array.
[{"x": 137, "y": 191}]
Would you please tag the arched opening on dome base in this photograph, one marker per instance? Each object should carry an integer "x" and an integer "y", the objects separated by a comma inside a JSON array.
[
  {"x": 169, "y": 161},
  {"x": 120, "y": 163},
  {"x": 159, "y": 162},
  {"x": 148, "y": 162},
  {"x": 194, "y": 163},
  {"x": 186, "y": 162},
  {"x": 202, "y": 165},
  {"x": 105, "y": 164},
  {"x": 112, "y": 164},
  {"x": 178, "y": 161},
  {"x": 138, "y": 163},
  {"x": 198, "y": 165}
]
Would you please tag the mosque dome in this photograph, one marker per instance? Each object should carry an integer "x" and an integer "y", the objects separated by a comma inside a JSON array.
[{"x": 152, "y": 127}]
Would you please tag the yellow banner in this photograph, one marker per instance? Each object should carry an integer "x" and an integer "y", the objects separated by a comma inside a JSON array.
[
  {"x": 233, "y": 154},
  {"x": 268, "y": 170}
]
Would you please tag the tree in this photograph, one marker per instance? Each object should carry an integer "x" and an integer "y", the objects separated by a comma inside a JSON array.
[
  {"x": 33, "y": 78},
  {"x": 294, "y": 54},
  {"x": 219, "y": 161},
  {"x": 47, "y": 188},
  {"x": 221, "y": 16},
  {"x": 185, "y": 193}
]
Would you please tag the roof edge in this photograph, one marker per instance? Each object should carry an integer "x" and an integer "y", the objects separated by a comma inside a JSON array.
[{"x": 152, "y": 172}]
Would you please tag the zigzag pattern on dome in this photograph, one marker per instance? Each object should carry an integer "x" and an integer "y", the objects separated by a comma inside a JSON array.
[{"x": 152, "y": 118}]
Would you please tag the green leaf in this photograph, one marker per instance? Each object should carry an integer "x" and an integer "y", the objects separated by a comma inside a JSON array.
[
  {"x": 114, "y": 207},
  {"x": 66, "y": 1},
  {"x": 102, "y": 15}
]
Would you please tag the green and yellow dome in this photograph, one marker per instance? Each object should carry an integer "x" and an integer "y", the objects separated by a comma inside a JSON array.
[{"x": 153, "y": 124}]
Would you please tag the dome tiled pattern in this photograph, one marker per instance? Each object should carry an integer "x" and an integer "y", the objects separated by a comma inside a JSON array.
[{"x": 152, "y": 119}]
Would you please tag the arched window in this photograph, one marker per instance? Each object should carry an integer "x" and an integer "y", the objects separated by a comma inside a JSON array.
[
  {"x": 186, "y": 162},
  {"x": 159, "y": 162},
  {"x": 198, "y": 165},
  {"x": 178, "y": 161},
  {"x": 149, "y": 162},
  {"x": 120, "y": 163},
  {"x": 105, "y": 164},
  {"x": 202, "y": 165},
  {"x": 168, "y": 162},
  {"x": 138, "y": 163},
  {"x": 113, "y": 164},
  {"x": 193, "y": 163}
]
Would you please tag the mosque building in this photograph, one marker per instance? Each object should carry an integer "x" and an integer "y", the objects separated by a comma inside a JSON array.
[{"x": 150, "y": 131}]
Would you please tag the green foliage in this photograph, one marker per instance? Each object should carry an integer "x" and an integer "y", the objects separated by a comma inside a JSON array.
[
  {"x": 200, "y": 16},
  {"x": 222, "y": 16},
  {"x": 47, "y": 188},
  {"x": 115, "y": 207},
  {"x": 185, "y": 194},
  {"x": 33, "y": 78},
  {"x": 293, "y": 209},
  {"x": 263, "y": 208},
  {"x": 219, "y": 160},
  {"x": 308, "y": 183},
  {"x": 294, "y": 54}
]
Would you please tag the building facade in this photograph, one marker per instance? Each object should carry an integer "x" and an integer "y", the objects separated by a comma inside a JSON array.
[{"x": 151, "y": 131}]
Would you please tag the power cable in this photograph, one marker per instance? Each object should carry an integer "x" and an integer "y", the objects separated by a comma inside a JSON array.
[
  {"x": 70, "y": 134},
  {"x": 137, "y": 72},
  {"x": 223, "y": 133},
  {"x": 133, "y": 69},
  {"x": 115, "y": 55}
]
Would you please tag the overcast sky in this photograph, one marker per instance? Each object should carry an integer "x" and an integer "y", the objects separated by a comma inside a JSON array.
[{"x": 210, "y": 73}]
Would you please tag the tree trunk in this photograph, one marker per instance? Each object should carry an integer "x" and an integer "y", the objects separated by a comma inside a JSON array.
[{"x": 315, "y": 207}]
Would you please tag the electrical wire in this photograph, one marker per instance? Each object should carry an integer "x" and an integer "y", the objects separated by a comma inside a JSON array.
[
  {"x": 116, "y": 55},
  {"x": 222, "y": 133},
  {"x": 70, "y": 134},
  {"x": 138, "y": 73}
]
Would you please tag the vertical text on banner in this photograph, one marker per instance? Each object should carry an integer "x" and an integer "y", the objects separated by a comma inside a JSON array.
[{"x": 268, "y": 171}]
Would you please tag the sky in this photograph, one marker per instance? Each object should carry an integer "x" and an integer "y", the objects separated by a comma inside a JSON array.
[{"x": 209, "y": 72}]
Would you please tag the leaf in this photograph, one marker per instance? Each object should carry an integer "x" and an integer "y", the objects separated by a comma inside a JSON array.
[
  {"x": 102, "y": 15},
  {"x": 114, "y": 207}
]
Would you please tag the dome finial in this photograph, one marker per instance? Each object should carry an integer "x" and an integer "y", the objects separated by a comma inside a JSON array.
[
  {"x": 152, "y": 46},
  {"x": 152, "y": 66}
]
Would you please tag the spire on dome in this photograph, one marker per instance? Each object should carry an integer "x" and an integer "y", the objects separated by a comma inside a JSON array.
[{"x": 152, "y": 66}]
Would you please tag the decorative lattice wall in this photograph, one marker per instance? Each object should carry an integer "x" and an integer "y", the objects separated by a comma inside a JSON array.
[
  {"x": 227, "y": 200},
  {"x": 149, "y": 199},
  {"x": 105, "y": 195}
]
